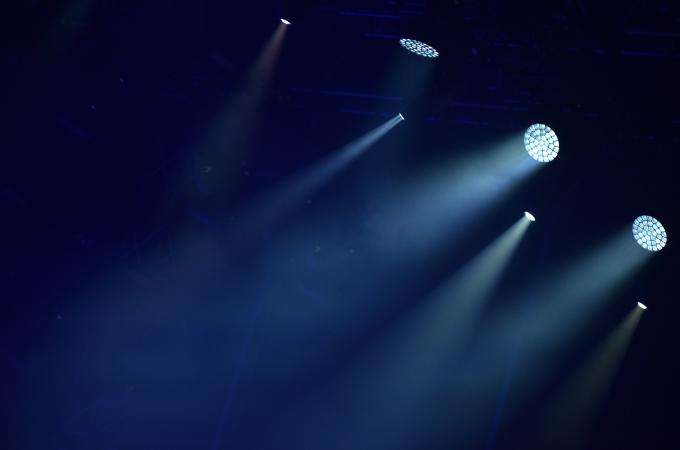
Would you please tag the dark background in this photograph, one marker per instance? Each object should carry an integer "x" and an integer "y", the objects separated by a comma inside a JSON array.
[{"x": 132, "y": 320}]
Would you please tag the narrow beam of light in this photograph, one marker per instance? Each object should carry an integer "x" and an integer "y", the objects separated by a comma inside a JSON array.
[
  {"x": 405, "y": 371},
  {"x": 294, "y": 191},
  {"x": 456, "y": 305},
  {"x": 263, "y": 68},
  {"x": 226, "y": 137},
  {"x": 248, "y": 97},
  {"x": 579, "y": 402},
  {"x": 309, "y": 182}
]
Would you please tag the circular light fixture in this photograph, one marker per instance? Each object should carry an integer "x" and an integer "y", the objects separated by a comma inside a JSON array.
[
  {"x": 529, "y": 216},
  {"x": 541, "y": 142},
  {"x": 285, "y": 21},
  {"x": 649, "y": 233},
  {"x": 419, "y": 48},
  {"x": 642, "y": 305}
]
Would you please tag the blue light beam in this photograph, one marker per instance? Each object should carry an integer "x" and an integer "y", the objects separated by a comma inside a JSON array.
[
  {"x": 578, "y": 403},
  {"x": 452, "y": 197},
  {"x": 404, "y": 374},
  {"x": 549, "y": 314},
  {"x": 225, "y": 139},
  {"x": 303, "y": 186}
]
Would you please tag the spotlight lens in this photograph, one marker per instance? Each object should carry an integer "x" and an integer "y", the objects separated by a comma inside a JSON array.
[
  {"x": 419, "y": 48},
  {"x": 649, "y": 233},
  {"x": 285, "y": 21},
  {"x": 529, "y": 216},
  {"x": 401, "y": 116},
  {"x": 541, "y": 142},
  {"x": 641, "y": 306}
]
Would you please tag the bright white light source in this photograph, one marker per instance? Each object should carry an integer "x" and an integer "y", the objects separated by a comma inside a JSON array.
[
  {"x": 529, "y": 216},
  {"x": 641, "y": 306},
  {"x": 419, "y": 48},
  {"x": 541, "y": 142},
  {"x": 401, "y": 116},
  {"x": 649, "y": 233},
  {"x": 285, "y": 21}
]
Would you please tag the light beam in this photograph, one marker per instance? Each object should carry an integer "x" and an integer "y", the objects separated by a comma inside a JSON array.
[
  {"x": 451, "y": 197},
  {"x": 456, "y": 305},
  {"x": 550, "y": 313},
  {"x": 579, "y": 401},
  {"x": 567, "y": 296},
  {"x": 294, "y": 191},
  {"x": 226, "y": 137},
  {"x": 405, "y": 371}
]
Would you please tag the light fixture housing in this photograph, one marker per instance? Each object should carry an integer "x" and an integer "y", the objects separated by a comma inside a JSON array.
[
  {"x": 285, "y": 21},
  {"x": 529, "y": 216},
  {"x": 649, "y": 233},
  {"x": 641, "y": 305},
  {"x": 419, "y": 48},
  {"x": 401, "y": 116},
  {"x": 541, "y": 142}
]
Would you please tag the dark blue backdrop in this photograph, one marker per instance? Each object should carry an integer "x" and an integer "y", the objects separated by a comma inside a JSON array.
[{"x": 139, "y": 313}]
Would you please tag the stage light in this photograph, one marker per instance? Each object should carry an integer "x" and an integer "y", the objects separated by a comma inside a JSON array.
[
  {"x": 401, "y": 116},
  {"x": 541, "y": 142},
  {"x": 649, "y": 233},
  {"x": 641, "y": 305},
  {"x": 419, "y": 48},
  {"x": 285, "y": 21},
  {"x": 529, "y": 216}
]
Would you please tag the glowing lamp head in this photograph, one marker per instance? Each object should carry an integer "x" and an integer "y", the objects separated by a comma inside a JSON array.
[
  {"x": 641, "y": 305},
  {"x": 419, "y": 48},
  {"x": 529, "y": 216},
  {"x": 401, "y": 116},
  {"x": 285, "y": 21},
  {"x": 649, "y": 233},
  {"x": 541, "y": 142}
]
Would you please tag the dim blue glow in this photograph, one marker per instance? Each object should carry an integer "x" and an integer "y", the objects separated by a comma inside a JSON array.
[
  {"x": 649, "y": 233},
  {"x": 529, "y": 216},
  {"x": 541, "y": 142},
  {"x": 419, "y": 48}
]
